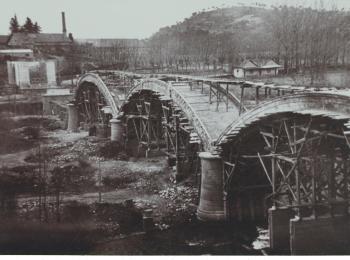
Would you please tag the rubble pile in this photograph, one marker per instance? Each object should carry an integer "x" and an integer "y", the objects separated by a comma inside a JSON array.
[
  {"x": 181, "y": 204},
  {"x": 179, "y": 193},
  {"x": 80, "y": 149}
]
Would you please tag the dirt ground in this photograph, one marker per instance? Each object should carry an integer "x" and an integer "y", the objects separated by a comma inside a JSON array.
[{"x": 143, "y": 183}]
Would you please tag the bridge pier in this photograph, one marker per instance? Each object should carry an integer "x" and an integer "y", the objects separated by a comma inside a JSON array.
[
  {"x": 72, "y": 118},
  {"x": 211, "y": 203},
  {"x": 117, "y": 130},
  {"x": 279, "y": 228}
]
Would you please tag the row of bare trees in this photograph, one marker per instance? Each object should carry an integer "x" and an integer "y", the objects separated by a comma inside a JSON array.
[
  {"x": 118, "y": 54},
  {"x": 310, "y": 39},
  {"x": 192, "y": 50},
  {"x": 299, "y": 38}
]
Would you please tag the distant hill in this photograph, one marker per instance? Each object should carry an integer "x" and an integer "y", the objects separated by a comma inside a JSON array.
[
  {"x": 221, "y": 20},
  {"x": 247, "y": 22},
  {"x": 300, "y": 38}
]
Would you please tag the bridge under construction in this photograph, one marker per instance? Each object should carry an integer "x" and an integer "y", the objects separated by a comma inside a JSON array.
[{"x": 264, "y": 151}]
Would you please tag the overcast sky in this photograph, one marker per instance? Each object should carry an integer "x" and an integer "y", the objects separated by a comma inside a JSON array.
[{"x": 119, "y": 18}]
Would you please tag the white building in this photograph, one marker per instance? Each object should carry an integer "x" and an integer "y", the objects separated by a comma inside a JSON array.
[
  {"x": 16, "y": 53},
  {"x": 250, "y": 68},
  {"x": 32, "y": 74}
]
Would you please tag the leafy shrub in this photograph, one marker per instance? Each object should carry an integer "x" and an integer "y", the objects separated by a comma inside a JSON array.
[
  {"x": 110, "y": 150},
  {"x": 129, "y": 218},
  {"x": 117, "y": 181},
  {"x": 74, "y": 177},
  {"x": 74, "y": 211},
  {"x": 31, "y": 132}
]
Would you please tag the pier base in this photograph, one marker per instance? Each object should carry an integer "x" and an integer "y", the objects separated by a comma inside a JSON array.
[
  {"x": 117, "y": 130},
  {"x": 211, "y": 204},
  {"x": 279, "y": 228},
  {"x": 72, "y": 118}
]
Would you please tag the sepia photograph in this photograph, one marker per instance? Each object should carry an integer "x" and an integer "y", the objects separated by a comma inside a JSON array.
[{"x": 175, "y": 127}]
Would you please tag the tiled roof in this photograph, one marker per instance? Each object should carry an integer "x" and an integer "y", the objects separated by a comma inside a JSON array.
[
  {"x": 248, "y": 64},
  {"x": 252, "y": 64},
  {"x": 20, "y": 39},
  {"x": 271, "y": 65}
]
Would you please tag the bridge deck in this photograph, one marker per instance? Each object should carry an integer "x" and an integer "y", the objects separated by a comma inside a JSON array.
[{"x": 214, "y": 116}]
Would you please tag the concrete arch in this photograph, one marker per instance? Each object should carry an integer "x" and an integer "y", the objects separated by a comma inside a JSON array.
[
  {"x": 155, "y": 85},
  {"x": 92, "y": 78},
  {"x": 170, "y": 92},
  {"x": 164, "y": 88},
  {"x": 332, "y": 105}
]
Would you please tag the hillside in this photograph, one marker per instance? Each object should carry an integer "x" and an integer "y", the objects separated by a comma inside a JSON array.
[
  {"x": 299, "y": 38},
  {"x": 222, "y": 20},
  {"x": 247, "y": 22}
]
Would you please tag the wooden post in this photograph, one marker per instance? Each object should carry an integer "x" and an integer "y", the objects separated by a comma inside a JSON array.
[
  {"x": 226, "y": 97},
  {"x": 257, "y": 95},
  {"x": 273, "y": 178},
  {"x": 314, "y": 213},
  {"x": 297, "y": 183},
  {"x": 99, "y": 182},
  {"x": 241, "y": 101},
  {"x": 177, "y": 145},
  {"x": 124, "y": 93},
  {"x": 209, "y": 93},
  {"x": 346, "y": 185},
  {"x": 331, "y": 191},
  {"x": 217, "y": 99}
]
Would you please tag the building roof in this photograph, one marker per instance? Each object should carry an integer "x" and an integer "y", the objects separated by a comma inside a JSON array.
[
  {"x": 3, "y": 39},
  {"x": 252, "y": 65},
  {"x": 248, "y": 64},
  {"x": 270, "y": 64},
  {"x": 22, "y": 39}
]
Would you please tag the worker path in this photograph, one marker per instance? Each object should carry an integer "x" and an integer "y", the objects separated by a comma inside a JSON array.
[{"x": 212, "y": 107}]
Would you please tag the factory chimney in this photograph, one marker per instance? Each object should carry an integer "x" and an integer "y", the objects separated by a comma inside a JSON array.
[{"x": 64, "y": 28}]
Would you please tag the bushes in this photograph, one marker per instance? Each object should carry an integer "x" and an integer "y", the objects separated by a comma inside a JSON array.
[
  {"x": 31, "y": 132},
  {"x": 128, "y": 217},
  {"x": 42, "y": 238},
  {"x": 74, "y": 211},
  {"x": 74, "y": 177},
  {"x": 118, "y": 181},
  {"x": 110, "y": 150},
  {"x": 11, "y": 144},
  {"x": 53, "y": 125}
]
